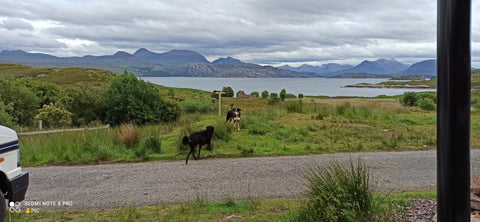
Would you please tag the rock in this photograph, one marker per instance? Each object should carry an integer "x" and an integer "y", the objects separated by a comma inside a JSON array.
[
  {"x": 475, "y": 193},
  {"x": 475, "y": 185}
]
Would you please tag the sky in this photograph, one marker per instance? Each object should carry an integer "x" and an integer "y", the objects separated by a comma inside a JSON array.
[{"x": 267, "y": 32}]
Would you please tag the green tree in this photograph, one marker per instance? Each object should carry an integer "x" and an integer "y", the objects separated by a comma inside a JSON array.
[
  {"x": 255, "y": 94},
  {"x": 283, "y": 94},
  {"x": 53, "y": 116},
  {"x": 300, "y": 96},
  {"x": 229, "y": 93},
  {"x": 264, "y": 94},
  {"x": 23, "y": 101},
  {"x": 5, "y": 118},
  {"x": 47, "y": 93},
  {"x": 84, "y": 102},
  {"x": 130, "y": 100}
]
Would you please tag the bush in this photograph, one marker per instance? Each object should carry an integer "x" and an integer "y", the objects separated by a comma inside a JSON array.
[
  {"x": 84, "y": 102},
  {"x": 409, "y": 99},
  {"x": 129, "y": 99},
  {"x": 24, "y": 102},
  {"x": 129, "y": 135},
  {"x": 53, "y": 116},
  {"x": 273, "y": 99},
  {"x": 338, "y": 193},
  {"x": 283, "y": 94},
  {"x": 265, "y": 94},
  {"x": 426, "y": 104},
  {"x": 256, "y": 94},
  {"x": 229, "y": 93},
  {"x": 290, "y": 96},
  {"x": 5, "y": 119},
  {"x": 300, "y": 96}
]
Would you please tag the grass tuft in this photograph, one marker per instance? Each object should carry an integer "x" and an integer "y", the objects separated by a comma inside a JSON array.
[{"x": 129, "y": 135}]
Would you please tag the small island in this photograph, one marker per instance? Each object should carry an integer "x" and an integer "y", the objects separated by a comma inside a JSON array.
[
  {"x": 393, "y": 86},
  {"x": 416, "y": 82}
]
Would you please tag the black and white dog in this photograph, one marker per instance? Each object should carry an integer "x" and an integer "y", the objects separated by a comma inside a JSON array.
[
  {"x": 198, "y": 138},
  {"x": 234, "y": 114}
]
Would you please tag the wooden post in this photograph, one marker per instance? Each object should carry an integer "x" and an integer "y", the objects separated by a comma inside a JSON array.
[{"x": 219, "y": 100}]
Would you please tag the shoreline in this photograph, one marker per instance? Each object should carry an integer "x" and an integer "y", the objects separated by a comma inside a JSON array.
[{"x": 406, "y": 86}]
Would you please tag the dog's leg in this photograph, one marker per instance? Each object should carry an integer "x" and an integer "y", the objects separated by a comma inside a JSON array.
[
  {"x": 193, "y": 153},
  {"x": 186, "y": 161},
  {"x": 199, "y": 149}
]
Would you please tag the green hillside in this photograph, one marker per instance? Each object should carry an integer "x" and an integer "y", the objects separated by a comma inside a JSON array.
[{"x": 58, "y": 76}]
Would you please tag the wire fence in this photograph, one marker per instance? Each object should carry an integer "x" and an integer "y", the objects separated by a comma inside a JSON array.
[{"x": 63, "y": 130}]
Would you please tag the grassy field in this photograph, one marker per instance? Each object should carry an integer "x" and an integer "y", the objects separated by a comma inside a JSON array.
[
  {"x": 311, "y": 125},
  {"x": 202, "y": 210},
  {"x": 293, "y": 127}
]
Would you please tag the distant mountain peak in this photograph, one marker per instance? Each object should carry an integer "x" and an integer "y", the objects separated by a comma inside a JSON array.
[
  {"x": 226, "y": 60},
  {"x": 122, "y": 54},
  {"x": 142, "y": 51}
]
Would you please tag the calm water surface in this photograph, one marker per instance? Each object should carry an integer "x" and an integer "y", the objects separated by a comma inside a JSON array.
[{"x": 306, "y": 86}]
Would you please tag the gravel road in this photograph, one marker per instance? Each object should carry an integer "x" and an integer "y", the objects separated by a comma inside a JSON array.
[{"x": 169, "y": 182}]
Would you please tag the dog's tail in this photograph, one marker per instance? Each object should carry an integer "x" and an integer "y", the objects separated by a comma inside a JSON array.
[{"x": 186, "y": 140}]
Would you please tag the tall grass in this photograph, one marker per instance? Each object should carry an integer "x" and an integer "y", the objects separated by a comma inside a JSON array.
[
  {"x": 129, "y": 135},
  {"x": 340, "y": 193}
]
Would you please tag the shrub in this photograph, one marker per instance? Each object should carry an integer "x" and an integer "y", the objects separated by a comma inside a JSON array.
[
  {"x": 129, "y": 99},
  {"x": 273, "y": 99},
  {"x": 229, "y": 93},
  {"x": 24, "y": 102},
  {"x": 338, "y": 193},
  {"x": 283, "y": 94},
  {"x": 426, "y": 104},
  {"x": 5, "y": 119},
  {"x": 53, "y": 116},
  {"x": 84, "y": 102},
  {"x": 300, "y": 96},
  {"x": 129, "y": 135},
  {"x": 265, "y": 94},
  {"x": 409, "y": 99},
  {"x": 256, "y": 94},
  {"x": 290, "y": 96}
]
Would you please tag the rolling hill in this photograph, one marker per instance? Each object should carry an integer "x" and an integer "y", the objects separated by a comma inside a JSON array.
[{"x": 143, "y": 62}]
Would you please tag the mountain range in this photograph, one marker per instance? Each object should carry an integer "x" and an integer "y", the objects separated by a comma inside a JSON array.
[
  {"x": 380, "y": 67},
  {"x": 188, "y": 63},
  {"x": 147, "y": 63}
]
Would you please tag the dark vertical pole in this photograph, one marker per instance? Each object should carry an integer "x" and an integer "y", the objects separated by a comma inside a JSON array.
[{"x": 453, "y": 112}]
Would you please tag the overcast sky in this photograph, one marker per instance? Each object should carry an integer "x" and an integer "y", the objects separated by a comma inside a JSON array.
[{"x": 272, "y": 32}]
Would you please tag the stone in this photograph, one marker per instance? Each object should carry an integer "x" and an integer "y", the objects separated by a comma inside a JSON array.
[{"x": 475, "y": 185}]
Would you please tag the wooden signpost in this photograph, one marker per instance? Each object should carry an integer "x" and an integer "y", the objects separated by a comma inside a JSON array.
[{"x": 219, "y": 100}]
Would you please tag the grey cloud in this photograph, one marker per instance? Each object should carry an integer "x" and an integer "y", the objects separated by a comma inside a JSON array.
[
  {"x": 270, "y": 31},
  {"x": 13, "y": 23}
]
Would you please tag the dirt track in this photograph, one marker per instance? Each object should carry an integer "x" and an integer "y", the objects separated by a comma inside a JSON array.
[{"x": 170, "y": 182}]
